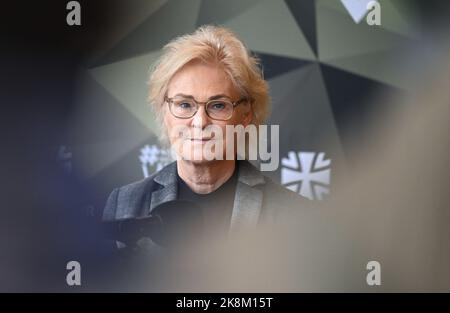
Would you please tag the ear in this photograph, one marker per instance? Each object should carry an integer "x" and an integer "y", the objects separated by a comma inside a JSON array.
[{"x": 247, "y": 117}]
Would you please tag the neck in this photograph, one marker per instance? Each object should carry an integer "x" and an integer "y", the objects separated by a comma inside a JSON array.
[{"x": 206, "y": 177}]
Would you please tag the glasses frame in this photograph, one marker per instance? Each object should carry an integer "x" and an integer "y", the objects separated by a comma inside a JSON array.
[{"x": 197, "y": 104}]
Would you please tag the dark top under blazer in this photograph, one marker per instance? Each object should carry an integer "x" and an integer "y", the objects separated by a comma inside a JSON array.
[{"x": 257, "y": 198}]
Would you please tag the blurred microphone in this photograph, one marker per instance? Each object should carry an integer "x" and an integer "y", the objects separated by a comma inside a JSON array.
[{"x": 171, "y": 224}]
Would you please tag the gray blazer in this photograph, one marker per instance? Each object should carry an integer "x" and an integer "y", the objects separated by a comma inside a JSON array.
[{"x": 257, "y": 198}]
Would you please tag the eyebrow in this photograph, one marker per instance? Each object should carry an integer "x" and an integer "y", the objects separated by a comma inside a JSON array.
[{"x": 215, "y": 97}]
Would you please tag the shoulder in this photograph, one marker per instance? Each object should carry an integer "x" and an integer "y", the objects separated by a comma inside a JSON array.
[
  {"x": 273, "y": 191},
  {"x": 281, "y": 203},
  {"x": 278, "y": 193},
  {"x": 127, "y": 201}
]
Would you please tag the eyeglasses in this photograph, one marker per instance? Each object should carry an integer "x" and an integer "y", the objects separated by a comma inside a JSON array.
[{"x": 217, "y": 109}]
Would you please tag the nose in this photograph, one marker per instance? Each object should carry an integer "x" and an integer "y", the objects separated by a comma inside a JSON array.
[{"x": 200, "y": 119}]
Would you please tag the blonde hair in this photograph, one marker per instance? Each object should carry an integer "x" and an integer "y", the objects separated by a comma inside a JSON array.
[{"x": 210, "y": 44}]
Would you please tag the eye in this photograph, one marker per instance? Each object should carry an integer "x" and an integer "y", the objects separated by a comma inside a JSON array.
[
  {"x": 184, "y": 105},
  {"x": 217, "y": 106}
]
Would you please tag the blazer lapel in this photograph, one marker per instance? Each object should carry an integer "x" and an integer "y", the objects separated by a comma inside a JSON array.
[
  {"x": 167, "y": 177},
  {"x": 248, "y": 198}
]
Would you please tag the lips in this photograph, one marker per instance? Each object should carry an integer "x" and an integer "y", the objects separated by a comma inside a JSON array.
[{"x": 200, "y": 139}]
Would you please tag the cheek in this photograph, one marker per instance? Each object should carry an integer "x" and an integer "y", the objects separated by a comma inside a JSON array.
[
  {"x": 167, "y": 121},
  {"x": 224, "y": 130},
  {"x": 236, "y": 120},
  {"x": 170, "y": 125},
  {"x": 175, "y": 128},
  {"x": 243, "y": 116}
]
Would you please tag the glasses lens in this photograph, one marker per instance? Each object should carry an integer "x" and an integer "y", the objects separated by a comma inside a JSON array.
[
  {"x": 220, "y": 109},
  {"x": 183, "y": 108}
]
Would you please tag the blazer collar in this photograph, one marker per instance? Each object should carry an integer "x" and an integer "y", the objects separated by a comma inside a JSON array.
[
  {"x": 167, "y": 177},
  {"x": 247, "y": 200}
]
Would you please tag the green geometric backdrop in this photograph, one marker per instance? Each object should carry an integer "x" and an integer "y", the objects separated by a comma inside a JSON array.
[{"x": 324, "y": 71}]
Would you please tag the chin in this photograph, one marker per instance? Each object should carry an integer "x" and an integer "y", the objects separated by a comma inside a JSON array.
[
  {"x": 193, "y": 152},
  {"x": 198, "y": 160}
]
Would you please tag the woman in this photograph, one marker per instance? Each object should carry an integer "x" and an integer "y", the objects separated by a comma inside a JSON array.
[{"x": 204, "y": 81}]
